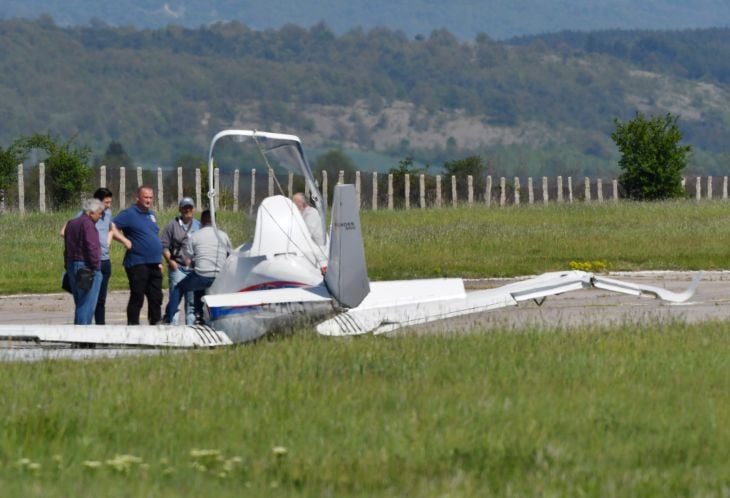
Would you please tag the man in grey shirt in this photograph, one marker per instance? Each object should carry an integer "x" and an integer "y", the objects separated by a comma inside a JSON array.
[
  {"x": 174, "y": 240},
  {"x": 207, "y": 250}
]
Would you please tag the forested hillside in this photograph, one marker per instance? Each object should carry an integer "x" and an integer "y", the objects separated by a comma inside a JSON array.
[
  {"x": 500, "y": 19},
  {"x": 535, "y": 106}
]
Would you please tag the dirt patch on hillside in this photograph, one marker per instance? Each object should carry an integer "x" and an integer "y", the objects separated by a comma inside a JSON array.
[{"x": 390, "y": 126}]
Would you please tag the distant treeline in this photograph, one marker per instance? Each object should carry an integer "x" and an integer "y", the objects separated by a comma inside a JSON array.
[
  {"x": 164, "y": 92},
  {"x": 699, "y": 54}
]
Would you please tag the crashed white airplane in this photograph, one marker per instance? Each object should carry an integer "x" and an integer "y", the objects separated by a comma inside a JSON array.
[{"x": 282, "y": 278}]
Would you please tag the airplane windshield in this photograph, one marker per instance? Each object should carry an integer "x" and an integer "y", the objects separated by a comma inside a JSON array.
[{"x": 253, "y": 154}]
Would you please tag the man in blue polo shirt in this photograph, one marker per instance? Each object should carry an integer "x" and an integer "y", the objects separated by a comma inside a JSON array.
[{"x": 143, "y": 260}]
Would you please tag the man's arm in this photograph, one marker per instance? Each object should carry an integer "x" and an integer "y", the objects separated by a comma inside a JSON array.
[
  {"x": 166, "y": 240},
  {"x": 117, "y": 235}
]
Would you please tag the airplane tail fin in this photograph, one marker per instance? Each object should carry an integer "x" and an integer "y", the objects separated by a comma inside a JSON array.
[{"x": 347, "y": 276}]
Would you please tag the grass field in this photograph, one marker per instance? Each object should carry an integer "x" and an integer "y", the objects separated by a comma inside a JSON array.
[
  {"x": 620, "y": 412},
  {"x": 463, "y": 242},
  {"x": 640, "y": 409}
]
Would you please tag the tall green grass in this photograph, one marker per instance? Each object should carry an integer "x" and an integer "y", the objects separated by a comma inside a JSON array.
[
  {"x": 468, "y": 242},
  {"x": 628, "y": 411},
  {"x": 482, "y": 242}
]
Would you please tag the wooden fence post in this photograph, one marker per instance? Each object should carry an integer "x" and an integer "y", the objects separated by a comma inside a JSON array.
[
  {"x": 217, "y": 187},
  {"x": 252, "y": 205},
  {"x": 42, "y": 187},
  {"x": 438, "y": 191},
  {"x": 587, "y": 189},
  {"x": 341, "y": 177},
  {"x": 407, "y": 190},
  {"x": 570, "y": 189},
  {"x": 599, "y": 189},
  {"x": 698, "y": 188},
  {"x": 324, "y": 187},
  {"x": 502, "y": 191},
  {"x": 530, "y": 191},
  {"x": 198, "y": 188},
  {"x": 560, "y": 189},
  {"x": 488, "y": 191},
  {"x": 236, "y": 181},
  {"x": 122, "y": 187},
  {"x": 709, "y": 187},
  {"x": 470, "y": 189},
  {"x": 140, "y": 180},
  {"x": 160, "y": 196},
  {"x": 390, "y": 191},
  {"x": 454, "y": 199},
  {"x": 270, "y": 182},
  {"x": 289, "y": 184},
  {"x": 358, "y": 189},
  {"x": 545, "y": 192},
  {"x": 102, "y": 176},
  {"x": 180, "y": 189},
  {"x": 615, "y": 190},
  {"x": 374, "y": 207},
  {"x": 21, "y": 189},
  {"x": 724, "y": 188},
  {"x": 517, "y": 191},
  {"x": 422, "y": 190}
]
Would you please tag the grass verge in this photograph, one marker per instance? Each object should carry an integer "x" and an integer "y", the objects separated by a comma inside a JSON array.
[{"x": 624, "y": 411}]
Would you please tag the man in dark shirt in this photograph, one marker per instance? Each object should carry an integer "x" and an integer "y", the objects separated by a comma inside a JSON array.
[
  {"x": 143, "y": 260},
  {"x": 82, "y": 251}
]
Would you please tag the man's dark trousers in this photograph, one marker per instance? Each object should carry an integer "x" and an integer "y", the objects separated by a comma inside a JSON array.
[{"x": 144, "y": 280}]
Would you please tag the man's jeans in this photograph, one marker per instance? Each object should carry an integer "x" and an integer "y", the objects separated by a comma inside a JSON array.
[
  {"x": 85, "y": 300},
  {"x": 174, "y": 278},
  {"x": 106, "y": 273},
  {"x": 197, "y": 284}
]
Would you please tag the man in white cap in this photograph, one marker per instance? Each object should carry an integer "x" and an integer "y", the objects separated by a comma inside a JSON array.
[{"x": 174, "y": 240}]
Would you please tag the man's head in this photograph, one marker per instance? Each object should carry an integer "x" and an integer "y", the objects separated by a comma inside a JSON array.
[
  {"x": 105, "y": 196},
  {"x": 187, "y": 208},
  {"x": 94, "y": 208},
  {"x": 145, "y": 196},
  {"x": 299, "y": 201},
  {"x": 205, "y": 218}
]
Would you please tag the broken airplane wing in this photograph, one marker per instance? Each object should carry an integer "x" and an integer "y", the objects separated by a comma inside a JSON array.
[{"x": 386, "y": 309}]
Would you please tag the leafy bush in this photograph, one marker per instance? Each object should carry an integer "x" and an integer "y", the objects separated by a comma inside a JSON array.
[
  {"x": 69, "y": 175},
  {"x": 652, "y": 160}
]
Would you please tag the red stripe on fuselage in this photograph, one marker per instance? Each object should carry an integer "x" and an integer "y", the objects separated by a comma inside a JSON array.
[{"x": 278, "y": 284}]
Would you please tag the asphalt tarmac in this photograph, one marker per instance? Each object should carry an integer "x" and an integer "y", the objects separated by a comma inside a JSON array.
[{"x": 570, "y": 310}]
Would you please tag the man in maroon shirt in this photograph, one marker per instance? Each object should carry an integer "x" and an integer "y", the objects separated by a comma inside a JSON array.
[{"x": 82, "y": 253}]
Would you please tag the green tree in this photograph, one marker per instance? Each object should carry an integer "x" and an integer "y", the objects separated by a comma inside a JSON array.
[
  {"x": 406, "y": 166},
  {"x": 115, "y": 156},
  {"x": 333, "y": 162},
  {"x": 66, "y": 167},
  {"x": 461, "y": 168},
  {"x": 473, "y": 166},
  {"x": 9, "y": 160},
  {"x": 189, "y": 163},
  {"x": 652, "y": 160}
]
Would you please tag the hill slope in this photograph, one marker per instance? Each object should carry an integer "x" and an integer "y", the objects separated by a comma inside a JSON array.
[
  {"x": 528, "y": 108},
  {"x": 499, "y": 19}
]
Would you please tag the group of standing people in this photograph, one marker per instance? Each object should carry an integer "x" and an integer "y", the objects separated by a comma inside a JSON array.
[{"x": 194, "y": 251}]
